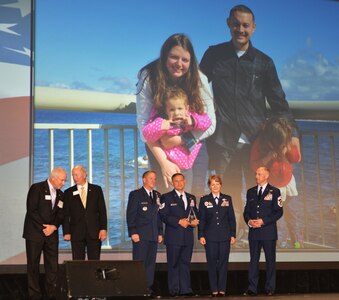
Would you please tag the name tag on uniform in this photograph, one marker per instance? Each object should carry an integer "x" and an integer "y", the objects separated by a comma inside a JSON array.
[
  {"x": 174, "y": 204},
  {"x": 75, "y": 193},
  {"x": 48, "y": 197},
  {"x": 144, "y": 203}
]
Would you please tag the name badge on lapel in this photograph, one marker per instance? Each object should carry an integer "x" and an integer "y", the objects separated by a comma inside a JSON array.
[{"x": 48, "y": 197}]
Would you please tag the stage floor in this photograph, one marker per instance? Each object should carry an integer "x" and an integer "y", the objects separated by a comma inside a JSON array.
[{"x": 277, "y": 296}]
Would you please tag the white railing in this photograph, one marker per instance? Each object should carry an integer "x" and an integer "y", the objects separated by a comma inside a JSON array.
[
  {"x": 121, "y": 180},
  {"x": 51, "y": 127},
  {"x": 73, "y": 100}
]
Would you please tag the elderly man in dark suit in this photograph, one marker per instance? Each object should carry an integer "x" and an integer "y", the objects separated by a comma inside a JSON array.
[
  {"x": 43, "y": 217},
  {"x": 176, "y": 210},
  {"x": 264, "y": 207},
  {"x": 217, "y": 233},
  {"x": 85, "y": 223},
  {"x": 144, "y": 225}
]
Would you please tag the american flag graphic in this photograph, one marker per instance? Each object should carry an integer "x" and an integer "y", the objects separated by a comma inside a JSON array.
[{"x": 15, "y": 78}]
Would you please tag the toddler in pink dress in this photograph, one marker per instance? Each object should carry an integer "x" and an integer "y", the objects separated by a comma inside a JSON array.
[{"x": 176, "y": 120}]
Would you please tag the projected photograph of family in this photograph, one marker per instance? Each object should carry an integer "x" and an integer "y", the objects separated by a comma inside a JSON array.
[{"x": 122, "y": 91}]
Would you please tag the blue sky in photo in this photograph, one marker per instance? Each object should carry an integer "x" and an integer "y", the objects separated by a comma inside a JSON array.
[{"x": 101, "y": 44}]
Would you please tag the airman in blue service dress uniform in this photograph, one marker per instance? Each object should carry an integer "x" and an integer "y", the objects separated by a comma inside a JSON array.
[
  {"x": 176, "y": 207},
  {"x": 144, "y": 224},
  {"x": 217, "y": 229},
  {"x": 262, "y": 211}
]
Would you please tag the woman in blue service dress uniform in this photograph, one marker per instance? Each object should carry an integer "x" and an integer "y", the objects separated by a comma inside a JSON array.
[{"x": 217, "y": 233}]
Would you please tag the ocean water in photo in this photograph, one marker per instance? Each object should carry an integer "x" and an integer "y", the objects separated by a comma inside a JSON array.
[{"x": 314, "y": 208}]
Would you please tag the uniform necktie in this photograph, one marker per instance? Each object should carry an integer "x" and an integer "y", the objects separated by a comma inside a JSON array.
[
  {"x": 182, "y": 199},
  {"x": 216, "y": 200},
  {"x": 260, "y": 192},
  {"x": 151, "y": 196},
  {"x": 83, "y": 196}
]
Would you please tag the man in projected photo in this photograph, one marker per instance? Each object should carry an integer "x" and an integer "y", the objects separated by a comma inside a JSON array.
[
  {"x": 43, "y": 217},
  {"x": 85, "y": 223},
  {"x": 144, "y": 225},
  {"x": 243, "y": 79},
  {"x": 264, "y": 207}
]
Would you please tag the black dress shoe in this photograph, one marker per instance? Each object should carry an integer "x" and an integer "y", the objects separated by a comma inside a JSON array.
[
  {"x": 174, "y": 295},
  {"x": 214, "y": 295},
  {"x": 188, "y": 295},
  {"x": 154, "y": 296},
  {"x": 221, "y": 294},
  {"x": 269, "y": 293},
  {"x": 249, "y": 293}
]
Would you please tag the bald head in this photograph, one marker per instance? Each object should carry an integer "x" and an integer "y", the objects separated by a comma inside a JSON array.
[
  {"x": 58, "y": 178},
  {"x": 79, "y": 175},
  {"x": 261, "y": 175}
]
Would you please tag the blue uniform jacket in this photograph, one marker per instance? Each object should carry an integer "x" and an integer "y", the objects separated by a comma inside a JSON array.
[
  {"x": 217, "y": 221},
  {"x": 142, "y": 215},
  {"x": 268, "y": 208},
  {"x": 171, "y": 211}
]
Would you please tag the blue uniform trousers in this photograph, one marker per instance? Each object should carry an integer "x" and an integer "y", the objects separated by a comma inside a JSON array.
[
  {"x": 178, "y": 262},
  {"x": 270, "y": 258},
  {"x": 147, "y": 252},
  {"x": 217, "y": 254}
]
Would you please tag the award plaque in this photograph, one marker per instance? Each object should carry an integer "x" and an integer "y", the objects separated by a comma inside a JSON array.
[
  {"x": 191, "y": 215},
  {"x": 160, "y": 205}
]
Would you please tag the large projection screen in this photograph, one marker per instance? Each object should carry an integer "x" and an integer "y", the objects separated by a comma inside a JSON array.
[{"x": 87, "y": 56}]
